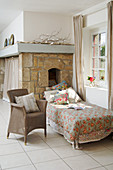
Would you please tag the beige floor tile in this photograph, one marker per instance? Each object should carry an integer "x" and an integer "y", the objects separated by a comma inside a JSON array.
[
  {"x": 104, "y": 157},
  {"x": 35, "y": 145},
  {"x": 10, "y": 149},
  {"x": 81, "y": 162},
  {"x": 99, "y": 168},
  {"x": 109, "y": 144},
  {"x": 67, "y": 151},
  {"x": 14, "y": 160},
  {"x": 93, "y": 147},
  {"x": 109, "y": 167},
  {"x": 49, "y": 135},
  {"x": 30, "y": 138},
  {"x": 106, "y": 141},
  {"x": 28, "y": 167},
  {"x": 52, "y": 165},
  {"x": 11, "y": 139},
  {"x": 59, "y": 141},
  {"x": 42, "y": 155}
]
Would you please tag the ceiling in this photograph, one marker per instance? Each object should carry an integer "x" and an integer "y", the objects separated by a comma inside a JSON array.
[{"x": 10, "y": 9}]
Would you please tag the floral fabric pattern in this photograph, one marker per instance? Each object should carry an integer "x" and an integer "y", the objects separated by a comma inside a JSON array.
[
  {"x": 61, "y": 98},
  {"x": 60, "y": 86},
  {"x": 80, "y": 122}
]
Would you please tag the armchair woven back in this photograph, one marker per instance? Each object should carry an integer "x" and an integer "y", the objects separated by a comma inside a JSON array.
[{"x": 16, "y": 92}]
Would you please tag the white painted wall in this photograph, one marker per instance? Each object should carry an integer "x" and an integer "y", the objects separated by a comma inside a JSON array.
[
  {"x": 98, "y": 96},
  {"x": 96, "y": 18},
  {"x": 16, "y": 28},
  {"x": 36, "y": 23}
]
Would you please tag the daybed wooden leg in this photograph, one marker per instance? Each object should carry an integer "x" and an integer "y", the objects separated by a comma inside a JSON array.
[
  {"x": 45, "y": 132},
  {"x": 76, "y": 145}
]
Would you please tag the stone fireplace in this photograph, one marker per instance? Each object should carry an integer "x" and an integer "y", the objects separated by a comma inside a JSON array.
[
  {"x": 40, "y": 65},
  {"x": 37, "y": 71}
]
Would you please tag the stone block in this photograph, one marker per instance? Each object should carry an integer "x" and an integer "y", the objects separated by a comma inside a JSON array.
[
  {"x": 35, "y": 61},
  {"x": 41, "y": 59},
  {"x": 36, "y": 69},
  {"x": 54, "y": 63},
  {"x": 26, "y": 74},
  {"x": 40, "y": 64},
  {"x": 66, "y": 62},
  {"x": 26, "y": 85},
  {"x": 68, "y": 68},
  {"x": 34, "y": 75},
  {"x": 41, "y": 55},
  {"x": 67, "y": 77},
  {"x": 43, "y": 78},
  {"x": 32, "y": 88},
  {"x": 2, "y": 63},
  {"x": 66, "y": 56},
  {"x": 37, "y": 96},
  {"x": 71, "y": 62},
  {"x": 53, "y": 55},
  {"x": 40, "y": 90},
  {"x": 27, "y": 60}
]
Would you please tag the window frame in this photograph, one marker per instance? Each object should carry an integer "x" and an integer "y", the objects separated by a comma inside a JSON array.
[{"x": 98, "y": 82}]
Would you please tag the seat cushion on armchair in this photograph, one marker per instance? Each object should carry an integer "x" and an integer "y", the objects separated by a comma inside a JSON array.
[
  {"x": 28, "y": 101},
  {"x": 35, "y": 119}
]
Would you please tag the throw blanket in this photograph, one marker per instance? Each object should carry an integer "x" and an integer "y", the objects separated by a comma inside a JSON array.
[{"x": 80, "y": 122}]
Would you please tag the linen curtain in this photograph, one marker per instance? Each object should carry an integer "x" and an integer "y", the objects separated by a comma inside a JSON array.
[
  {"x": 110, "y": 54},
  {"x": 79, "y": 60},
  {"x": 11, "y": 76}
]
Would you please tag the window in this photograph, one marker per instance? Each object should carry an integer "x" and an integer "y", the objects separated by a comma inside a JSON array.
[{"x": 99, "y": 57}]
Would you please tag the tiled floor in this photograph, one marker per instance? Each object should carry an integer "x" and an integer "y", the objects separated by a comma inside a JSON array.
[{"x": 50, "y": 153}]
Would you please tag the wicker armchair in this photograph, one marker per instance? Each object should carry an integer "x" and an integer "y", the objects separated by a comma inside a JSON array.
[{"x": 22, "y": 122}]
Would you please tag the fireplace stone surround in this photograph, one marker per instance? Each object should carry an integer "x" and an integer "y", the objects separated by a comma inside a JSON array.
[
  {"x": 34, "y": 70},
  {"x": 35, "y": 61}
]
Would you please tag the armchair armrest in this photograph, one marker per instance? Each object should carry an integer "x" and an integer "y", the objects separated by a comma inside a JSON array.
[
  {"x": 19, "y": 108},
  {"x": 42, "y": 105},
  {"x": 16, "y": 105}
]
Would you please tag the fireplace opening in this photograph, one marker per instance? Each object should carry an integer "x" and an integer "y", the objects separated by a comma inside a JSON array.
[{"x": 54, "y": 76}]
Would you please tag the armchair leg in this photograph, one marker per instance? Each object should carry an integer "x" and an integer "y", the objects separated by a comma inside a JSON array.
[
  {"x": 8, "y": 135},
  {"x": 25, "y": 139}
]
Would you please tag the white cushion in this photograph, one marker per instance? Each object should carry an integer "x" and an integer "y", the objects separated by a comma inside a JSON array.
[
  {"x": 49, "y": 95},
  {"x": 28, "y": 101},
  {"x": 73, "y": 96}
]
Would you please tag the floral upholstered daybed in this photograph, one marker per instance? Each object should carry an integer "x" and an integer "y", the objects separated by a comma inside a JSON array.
[{"x": 79, "y": 126}]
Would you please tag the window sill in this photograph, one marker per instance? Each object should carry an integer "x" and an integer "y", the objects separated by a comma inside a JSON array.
[{"x": 97, "y": 87}]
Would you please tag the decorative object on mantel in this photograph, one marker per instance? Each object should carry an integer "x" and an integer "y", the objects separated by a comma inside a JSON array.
[
  {"x": 9, "y": 41},
  {"x": 91, "y": 81},
  {"x": 36, "y": 42},
  {"x": 5, "y": 43},
  {"x": 52, "y": 38}
]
